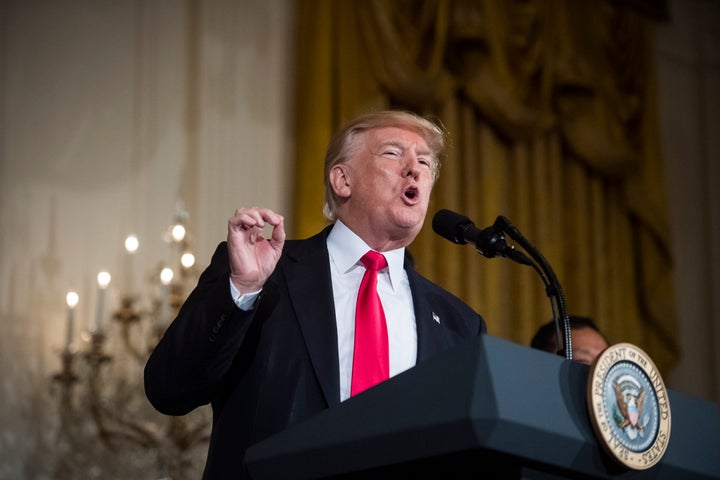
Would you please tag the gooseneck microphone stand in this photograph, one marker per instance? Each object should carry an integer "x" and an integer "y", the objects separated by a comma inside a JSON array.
[{"x": 553, "y": 289}]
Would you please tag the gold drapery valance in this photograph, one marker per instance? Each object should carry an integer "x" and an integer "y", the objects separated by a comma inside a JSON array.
[{"x": 552, "y": 112}]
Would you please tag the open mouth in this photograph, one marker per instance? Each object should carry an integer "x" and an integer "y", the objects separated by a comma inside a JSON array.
[{"x": 411, "y": 193}]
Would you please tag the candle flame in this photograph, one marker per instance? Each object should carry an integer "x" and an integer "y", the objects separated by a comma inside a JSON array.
[
  {"x": 131, "y": 243},
  {"x": 72, "y": 299},
  {"x": 166, "y": 276},
  {"x": 103, "y": 279},
  {"x": 178, "y": 232}
]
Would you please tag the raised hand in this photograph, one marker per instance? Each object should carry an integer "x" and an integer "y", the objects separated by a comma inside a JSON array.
[{"x": 253, "y": 257}]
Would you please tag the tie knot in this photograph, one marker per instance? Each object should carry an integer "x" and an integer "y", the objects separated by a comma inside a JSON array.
[{"x": 374, "y": 261}]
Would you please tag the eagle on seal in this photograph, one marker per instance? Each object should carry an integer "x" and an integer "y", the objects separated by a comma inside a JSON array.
[{"x": 631, "y": 407}]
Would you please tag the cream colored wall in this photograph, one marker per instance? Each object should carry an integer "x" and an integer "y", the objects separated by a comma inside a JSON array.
[{"x": 99, "y": 99}]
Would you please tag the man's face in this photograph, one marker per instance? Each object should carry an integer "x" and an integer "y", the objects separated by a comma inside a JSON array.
[
  {"x": 386, "y": 184},
  {"x": 587, "y": 345}
]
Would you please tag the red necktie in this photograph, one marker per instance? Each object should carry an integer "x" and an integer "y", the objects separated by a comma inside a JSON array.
[{"x": 371, "y": 360}]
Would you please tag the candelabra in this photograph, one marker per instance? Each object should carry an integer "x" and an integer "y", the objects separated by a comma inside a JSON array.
[{"x": 107, "y": 428}]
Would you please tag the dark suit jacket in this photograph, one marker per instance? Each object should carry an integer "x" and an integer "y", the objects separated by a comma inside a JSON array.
[{"x": 268, "y": 368}]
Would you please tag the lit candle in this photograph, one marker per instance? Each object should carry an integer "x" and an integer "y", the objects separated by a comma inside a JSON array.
[
  {"x": 187, "y": 260},
  {"x": 103, "y": 279},
  {"x": 131, "y": 246},
  {"x": 132, "y": 243},
  {"x": 72, "y": 300},
  {"x": 166, "y": 276},
  {"x": 178, "y": 232}
]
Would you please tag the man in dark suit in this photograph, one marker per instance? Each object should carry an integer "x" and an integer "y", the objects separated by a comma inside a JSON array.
[{"x": 268, "y": 336}]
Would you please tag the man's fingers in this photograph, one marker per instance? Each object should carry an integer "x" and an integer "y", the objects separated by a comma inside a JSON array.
[
  {"x": 278, "y": 234},
  {"x": 246, "y": 218},
  {"x": 270, "y": 217}
]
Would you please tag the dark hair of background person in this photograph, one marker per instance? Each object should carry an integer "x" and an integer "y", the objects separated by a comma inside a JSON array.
[{"x": 546, "y": 336}]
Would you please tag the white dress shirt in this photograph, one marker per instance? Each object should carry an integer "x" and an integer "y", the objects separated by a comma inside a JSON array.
[{"x": 346, "y": 249}]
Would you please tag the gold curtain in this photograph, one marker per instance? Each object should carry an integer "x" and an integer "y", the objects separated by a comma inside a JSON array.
[{"x": 552, "y": 113}]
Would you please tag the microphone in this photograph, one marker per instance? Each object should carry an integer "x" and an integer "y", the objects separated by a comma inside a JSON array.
[{"x": 489, "y": 242}]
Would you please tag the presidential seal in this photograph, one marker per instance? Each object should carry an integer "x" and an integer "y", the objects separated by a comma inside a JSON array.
[{"x": 628, "y": 406}]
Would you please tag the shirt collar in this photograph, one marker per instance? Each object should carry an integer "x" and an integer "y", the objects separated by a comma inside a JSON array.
[{"x": 346, "y": 249}]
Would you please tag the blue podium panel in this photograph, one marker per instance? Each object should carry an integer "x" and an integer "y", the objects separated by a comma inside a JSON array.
[{"x": 489, "y": 407}]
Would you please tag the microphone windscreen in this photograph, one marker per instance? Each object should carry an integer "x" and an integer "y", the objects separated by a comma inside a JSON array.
[{"x": 448, "y": 225}]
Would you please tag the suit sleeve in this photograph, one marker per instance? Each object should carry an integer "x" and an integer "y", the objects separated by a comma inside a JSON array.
[{"x": 188, "y": 365}]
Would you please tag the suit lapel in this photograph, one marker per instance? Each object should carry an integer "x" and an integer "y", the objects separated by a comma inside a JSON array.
[
  {"x": 310, "y": 290},
  {"x": 432, "y": 336}
]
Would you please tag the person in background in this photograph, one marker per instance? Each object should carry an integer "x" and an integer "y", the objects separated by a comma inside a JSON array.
[
  {"x": 276, "y": 331},
  {"x": 587, "y": 339}
]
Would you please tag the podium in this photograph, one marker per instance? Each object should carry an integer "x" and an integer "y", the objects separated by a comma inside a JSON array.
[{"x": 487, "y": 409}]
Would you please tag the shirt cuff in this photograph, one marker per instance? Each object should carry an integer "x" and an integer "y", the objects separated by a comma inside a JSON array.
[{"x": 244, "y": 301}]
